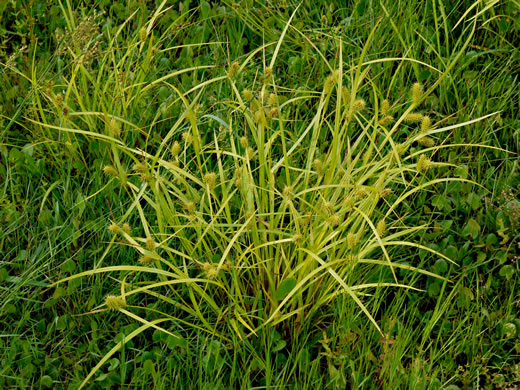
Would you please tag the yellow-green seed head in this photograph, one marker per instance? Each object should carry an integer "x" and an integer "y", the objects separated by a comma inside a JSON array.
[
  {"x": 351, "y": 240},
  {"x": 349, "y": 203},
  {"x": 114, "y": 302},
  {"x": 176, "y": 148},
  {"x": 212, "y": 273},
  {"x": 329, "y": 84},
  {"x": 288, "y": 192},
  {"x": 417, "y": 91},
  {"x": 426, "y": 123},
  {"x": 123, "y": 178},
  {"x": 248, "y": 95},
  {"x": 150, "y": 243},
  {"x": 360, "y": 194},
  {"x": 187, "y": 137},
  {"x": 227, "y": 266},
  {"x": 110, "y": 171},
  {"x": 59, "y": 99},
  {"x": 306, "y": 220},
  {"x": 385, "y": 193},
  {"x": 333, "y": 221},
  {"x": 114, "y": 228},
  {"x": 143, "y": 34},
  {"x": 271, "y": 100},
  {"x": 413, "y": 117},
  {"x": 381, "y": 228},
  {"x": 250, "y": 152},
  {"x": 243, "y": 142},
  {"x": 210, "y": 179},
  {"x": 190, "y": 207},
  {"x": 273, "y": 112},
  {"x": 423, "y": 164},
  {"x": 146, "y": 177},
  {"x": 146, "y": 260},
  {"x": 385, "y": 121},
  {"x": 328, "y": 208},
  {"x": 258, "y": 116},
  {"x": 358, "y": 105},
  {"x": 267, "y": 75},
  {"x": 233, "y": 69},
  {"x": 115, "y": 130},
  {"x": 126, "y": 228},
  {"x": 385, "y": 107},
  {"x": 140, "y": 168},
  {"x": 427, "y": 142},
  {"x": 210, "y": 270},
  {"x": 400, "y": 148},
  {"x": 297, "y": 239}
]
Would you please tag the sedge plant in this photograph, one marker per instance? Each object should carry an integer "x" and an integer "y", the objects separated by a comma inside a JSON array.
[{"x": 262, "y": 215}]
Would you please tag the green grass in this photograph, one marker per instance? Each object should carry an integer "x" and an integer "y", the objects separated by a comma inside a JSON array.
[{"x": 274, "y": 272}]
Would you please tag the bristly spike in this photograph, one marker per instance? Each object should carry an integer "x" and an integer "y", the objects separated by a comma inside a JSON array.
[
  {"x": 115, "y": 303},
  {"x": 417, "y": 92}
]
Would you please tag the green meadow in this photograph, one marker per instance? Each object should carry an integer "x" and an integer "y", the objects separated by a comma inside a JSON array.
[{"x": 260, "y": 194}]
